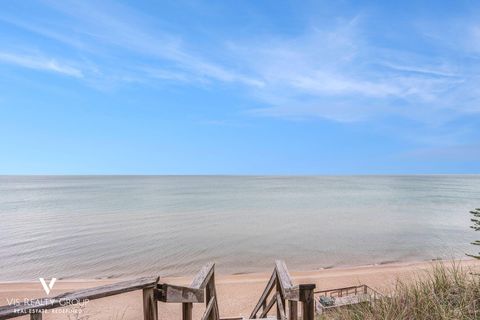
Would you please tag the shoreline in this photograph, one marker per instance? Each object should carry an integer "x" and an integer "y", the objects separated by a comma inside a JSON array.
[
  {"x": 220, "y": 274},
  {"x": 254, "y": 273},
  {"x": 237, "y": 294}
]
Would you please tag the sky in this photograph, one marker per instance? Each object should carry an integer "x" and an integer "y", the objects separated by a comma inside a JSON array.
[{"x": 239, "y": 87}]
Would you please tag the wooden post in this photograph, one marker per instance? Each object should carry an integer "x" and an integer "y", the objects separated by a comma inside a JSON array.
[
  {"x": 308, "y": 305},
  {"x": 292, "y": 310},
  {"x": 36, "y": 316},
  {"x": 187, "y": 311},
  {"x": 209, "y": 294},
  {"x": 279, "y": 291},
  {"x": 150, "y": 311}
]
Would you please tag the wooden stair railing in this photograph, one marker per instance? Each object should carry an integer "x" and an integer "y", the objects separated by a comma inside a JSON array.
[
  {"x": 35, "y": 307},
  {"x": 285, "y": 290},
  {"x": 202, "y": 289}
]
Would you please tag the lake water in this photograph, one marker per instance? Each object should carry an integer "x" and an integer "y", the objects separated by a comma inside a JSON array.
[{"x": 125, "y": 226}]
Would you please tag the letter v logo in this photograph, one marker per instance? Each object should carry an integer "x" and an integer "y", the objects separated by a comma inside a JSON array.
[{"x": 48, "y": 287}]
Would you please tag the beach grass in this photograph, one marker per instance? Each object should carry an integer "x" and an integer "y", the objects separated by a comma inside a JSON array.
[{"x": 446, "y": 291}]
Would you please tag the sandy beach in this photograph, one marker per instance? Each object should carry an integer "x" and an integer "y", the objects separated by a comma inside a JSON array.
[{"x": 237, "y": 294}]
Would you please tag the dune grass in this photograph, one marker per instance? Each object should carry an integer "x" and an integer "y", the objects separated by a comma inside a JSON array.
[{"x": 443, "y": 292}]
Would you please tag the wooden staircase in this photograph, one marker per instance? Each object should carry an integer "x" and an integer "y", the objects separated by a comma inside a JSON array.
[
  {"x": 285, "y": 291},
  {"x": 201, "y": 290}
]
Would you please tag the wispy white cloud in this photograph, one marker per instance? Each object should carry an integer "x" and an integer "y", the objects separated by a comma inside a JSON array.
[
  {"x": 121, "y": 31},
  {"x": 441, "y": 71},
  {"x": 331, "y": 70},
  {"x": 40, "y": 63},
  {"x": 50, "y": 30},
  {"x": 337, "y": 74}
]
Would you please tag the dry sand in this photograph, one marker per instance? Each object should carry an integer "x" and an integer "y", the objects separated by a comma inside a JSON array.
[{"x": 237, "y": 294}]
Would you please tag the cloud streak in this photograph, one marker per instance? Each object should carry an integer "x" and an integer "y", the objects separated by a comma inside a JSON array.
[
  {"x": 40, "y": 63},
  {"x": 333, "y": 70},
  {"x": 339, "y": 75},
  {"x": 123, "y": 31}
]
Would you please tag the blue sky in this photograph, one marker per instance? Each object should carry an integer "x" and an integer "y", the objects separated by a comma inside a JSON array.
[{"x": 239, "y": 87}]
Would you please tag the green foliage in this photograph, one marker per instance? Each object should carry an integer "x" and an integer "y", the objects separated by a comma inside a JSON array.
[
  {"x": 476, "y": 226},
  {"x": 444, "y": 292}
]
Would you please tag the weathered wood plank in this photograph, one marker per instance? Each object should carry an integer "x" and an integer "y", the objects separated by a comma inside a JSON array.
[
  {"x": 322, "y": 292},
  {"x": 269, "y": 306},
  {"x": 279, "y": 293},
  {"x": 7, "y": 312},
  {"x": 202, "y": 277},
  {"x": 208, "y": 309},
  {"x": 292, "y": 293},
  {"x": 306, "y": 291},
  {"x": 187, "y": 311},
  {"x": 113, "y": 289},
  {"x": 292, "y": 310},
  {"x": 36, "y": 316},
  {"x": 283, "y": 275},
  {"x": 150, "y": 309},
  {"x": 308, "y": 304},
  {"x": 280, "y": 307},
  {"x": 264, "y": 296},
  {"x": 295, "y": 292},
  {"x": 210, "y": 293},
  {"x": 177, "y": 294}
]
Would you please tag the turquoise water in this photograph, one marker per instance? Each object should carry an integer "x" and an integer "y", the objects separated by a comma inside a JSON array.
[{"x": 123, "y": 226}]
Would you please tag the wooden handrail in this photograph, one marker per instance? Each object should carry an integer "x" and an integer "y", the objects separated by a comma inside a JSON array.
[
  {"x": 35, "y": 306},
  {"x": 283, "y": 276},
  {"x": 194, "y": 293},
  {"x": 338, "y": 289},
  {"x": 285, "y": 290},
  {"x": 202, "y": 289},
  {"x": 363, "y": 287},
  {"x": 203, "y": 276}
]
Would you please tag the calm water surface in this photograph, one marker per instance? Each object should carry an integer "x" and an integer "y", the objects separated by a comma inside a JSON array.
[{"x": 123, "y": 226}]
